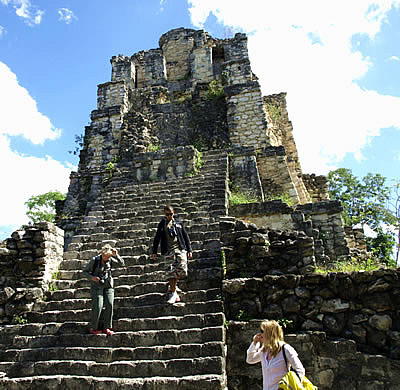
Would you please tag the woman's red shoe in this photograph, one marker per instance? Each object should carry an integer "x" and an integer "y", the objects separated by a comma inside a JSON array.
[
  {"x": 92, "y": 331},
  {"x": 108, "y": 332}
]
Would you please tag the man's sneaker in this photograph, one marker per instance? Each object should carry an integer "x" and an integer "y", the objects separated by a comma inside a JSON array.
[
  {"x": 108, "y": 332},
  {"x": 174, "y": 298},
  {"x": 177, "y": 289},
  {"x": 93, "y": 331}
]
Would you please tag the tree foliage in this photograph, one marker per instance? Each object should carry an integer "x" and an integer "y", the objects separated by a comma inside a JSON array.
[
  {"x": 394, "y": 204},
  {"x": 364, "y": 201},
  {"x": 382, "y": 246},
  {"x": 42, "y": 207}
]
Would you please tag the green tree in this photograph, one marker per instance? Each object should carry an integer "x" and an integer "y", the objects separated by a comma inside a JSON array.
[
  {"x": 42, "y": 207},
  {"x": 394, "y": 205},
  {"x": 382, "y": 246},
  {"x": 364, "y": 201}
]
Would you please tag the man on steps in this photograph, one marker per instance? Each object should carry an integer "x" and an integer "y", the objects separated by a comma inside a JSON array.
[
  {"x": 175, "y": 247},
  {"x": 98, "y": 270}
]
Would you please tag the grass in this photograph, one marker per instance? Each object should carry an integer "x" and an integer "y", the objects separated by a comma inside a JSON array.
[
  {"x": 215, "y": 90},
  {"x": 153, "y": 148},
  {"x": 352, "y": 265},
  {"x": 283, "y": 197},
  {"x": 223, "y": 261},
  {"x": 52, "y": 287},
  {"x": 197, "y": 165},
  {"x": 238, "y": 197},
  {"x": 19, "y": 320}
]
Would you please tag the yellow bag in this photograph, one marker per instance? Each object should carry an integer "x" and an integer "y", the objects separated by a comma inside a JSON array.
[{"x": 291, "y": 380}]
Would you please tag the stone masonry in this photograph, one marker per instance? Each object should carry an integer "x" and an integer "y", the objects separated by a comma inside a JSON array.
[{"x": 186, "y": 123}]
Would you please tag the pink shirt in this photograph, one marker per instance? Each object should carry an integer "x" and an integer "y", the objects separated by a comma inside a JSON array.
[{"x": 274, "y": 369}]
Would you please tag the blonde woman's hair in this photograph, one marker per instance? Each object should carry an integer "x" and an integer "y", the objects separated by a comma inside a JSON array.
[
  {"x": 107, "y": 249},
  {"x": 273, "y": 337}
]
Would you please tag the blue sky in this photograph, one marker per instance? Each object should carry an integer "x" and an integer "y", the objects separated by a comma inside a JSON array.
[{"x": 339, "y": 62}]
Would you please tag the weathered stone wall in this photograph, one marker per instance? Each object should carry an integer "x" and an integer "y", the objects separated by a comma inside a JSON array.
[
  {"x": 322, "y": 221},
  {"x": 162, "y": 165},
  {"x": 250, "y": 251},
  {"x": 356, "y": 242},
  {"x": 280, "y": 133},
  {"x": 202, "y": 64},
  {"x": 113, "y": 93},
  {"x": 244, "y": 172},
  {"x": 28, "y": 261},
  {"x": 330, "y": 364},
  {"x": 361, "y": 306},
  {"x": 246, "y": 119},
  {"x": 275, "y": 174},
  {"x": 317, "y": 187},
  {"x": 326, "y": 219},
  {"x": 177, "y": 45},
  {"x": 123, "y": 69}
]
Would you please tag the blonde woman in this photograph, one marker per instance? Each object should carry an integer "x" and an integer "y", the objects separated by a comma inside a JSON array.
[
  {"x": 98, "y": 271},
  {"x": 267, "y": 349}
]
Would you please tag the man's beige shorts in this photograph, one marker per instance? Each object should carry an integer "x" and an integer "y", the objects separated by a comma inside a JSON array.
[{"x": 176, "y": 264}]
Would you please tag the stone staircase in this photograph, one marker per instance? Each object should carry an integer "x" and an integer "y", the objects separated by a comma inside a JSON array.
[{"x": 156, "y": 345}]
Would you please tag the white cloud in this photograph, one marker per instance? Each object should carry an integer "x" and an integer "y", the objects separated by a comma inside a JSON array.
[
  {"x": 22, "y": 175},
  {"x": 2, "y": 31},
  {"x": 20, "y": 115},
  {"x": 304, "y": 48},
  {"x": 394, "y": 58},
  {"x": 24, "y": 9},
  {"x": 66, "y": 15}
]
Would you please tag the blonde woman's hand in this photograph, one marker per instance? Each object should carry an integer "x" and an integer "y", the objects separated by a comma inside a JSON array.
[{"x": 258, "y": 338}]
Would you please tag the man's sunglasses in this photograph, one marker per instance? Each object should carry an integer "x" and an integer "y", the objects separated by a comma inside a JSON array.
[{"x": 168, "y": 214}]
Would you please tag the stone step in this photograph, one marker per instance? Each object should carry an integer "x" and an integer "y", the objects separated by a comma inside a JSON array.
[
  {"x": 190, "y": 283},
  {"x": 139, "y": 289},
  {"x": 164, "y": 191},
  {"x": 123, "y": 239},
  {"x": 72, "y": 263},
  {"x": 157, "y": 310},
  {"x": 136, "y": 237},
  {"x": 211, "y": 248},
  {"x": 177, "y": 197},
  {"x": 139, "y": 300},
  {"x": 126, "y": 324},
  {"x": 148, "y": 338},
  {"x": 73, "y": 382},
  {"x": 120, "y": 369},
  {"x": 141, "y": 269},
  {"x": 139, "y": 264},
  {"x": 122, "y": 278},
  {"x": 145, "y": 230},
  {"x": 110, "y": 354}
]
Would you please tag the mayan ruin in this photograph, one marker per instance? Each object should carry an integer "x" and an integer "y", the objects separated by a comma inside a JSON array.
[{"x": 186, "y": 124}]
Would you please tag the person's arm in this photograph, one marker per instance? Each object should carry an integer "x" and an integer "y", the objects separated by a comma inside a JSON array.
[
  {"x": 87, "y": 271},
  {"x": 254, "y": 351},
  {"x": 117, "y": 258},
  {"x": 156, "y": 240},
  {"x": 294, "y": 361},
  {"x": 253, "y": 354},
  {"x": 186, "y": 238}
]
